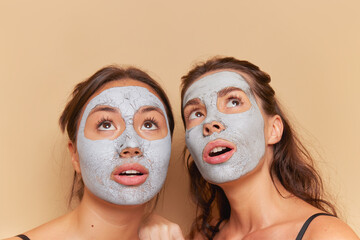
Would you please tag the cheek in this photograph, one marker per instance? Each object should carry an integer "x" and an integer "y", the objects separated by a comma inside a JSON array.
[
  {"x": 96, "y": 154},
  {"x": 151, "y": 135},
  {"x": 195, "y": 141},
  {"x": 160, "y": 146},
  {"x": 158, "y": 152},
  {"x": 194, "y": 122},
  {"x": 158, "y": 128}
]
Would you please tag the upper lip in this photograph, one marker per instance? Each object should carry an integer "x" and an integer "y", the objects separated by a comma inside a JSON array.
[{"x": 130, "y": 166}]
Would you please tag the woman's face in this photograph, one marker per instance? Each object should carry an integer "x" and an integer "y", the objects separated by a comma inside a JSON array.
[
  {"x": 124, "y": 143},
  {"x": 224, "y": 126}
]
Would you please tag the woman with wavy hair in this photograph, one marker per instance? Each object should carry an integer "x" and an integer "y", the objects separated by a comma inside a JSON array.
[{"x": 251, "y": 177}]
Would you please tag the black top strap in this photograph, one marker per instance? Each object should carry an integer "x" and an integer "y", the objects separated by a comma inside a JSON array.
[
  {"x": 23, "y": 237},
  {"x": 216, "y": 229},
  {"x": 307, "y": 223}
]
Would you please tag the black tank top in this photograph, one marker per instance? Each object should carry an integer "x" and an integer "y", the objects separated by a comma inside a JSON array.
[
  {"x": 307, "y": 223},
  {"x": 23, "y": 237}
]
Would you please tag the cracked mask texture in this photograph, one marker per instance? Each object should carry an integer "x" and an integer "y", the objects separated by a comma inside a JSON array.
[
  {"x": 245, "y": 130},
  {"x": 98, "y": 158}
]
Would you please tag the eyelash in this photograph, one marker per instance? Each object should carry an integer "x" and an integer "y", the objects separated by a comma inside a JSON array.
[
  {"x": 102, "y": 120},
  {"x": 153, "y": 120},
  {"x": 236, "y": 97}
]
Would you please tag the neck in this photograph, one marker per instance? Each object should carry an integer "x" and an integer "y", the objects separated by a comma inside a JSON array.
[
  {"x": 98, "y": 219},
  {"x": 255, "y": 201}
]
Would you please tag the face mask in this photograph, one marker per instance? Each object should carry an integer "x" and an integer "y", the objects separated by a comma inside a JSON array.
[
  {"x": 100, "y": 158},
  {"x": 244, "y": 130}
]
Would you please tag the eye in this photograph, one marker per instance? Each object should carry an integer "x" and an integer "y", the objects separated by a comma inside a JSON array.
[
  {"x": 233, "y": 102},
  {"x": 149, "y": 125},
  {"x": 106, "y": 126},
  {"x": 195, "y": 114}
]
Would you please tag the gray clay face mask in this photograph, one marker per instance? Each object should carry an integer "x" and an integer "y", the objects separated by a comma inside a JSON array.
[
  {"x": 100, "y": 158},
  {"x": 245, "y": 130}
]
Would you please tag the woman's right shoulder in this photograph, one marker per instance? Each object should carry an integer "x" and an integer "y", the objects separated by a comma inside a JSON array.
[{"x": 329, "y": 228}]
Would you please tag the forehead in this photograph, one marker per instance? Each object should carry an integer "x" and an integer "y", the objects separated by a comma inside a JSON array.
[
  {"x": 128, "y": 95},
  {"x": 215, "y": 82},
  {"x": 127, "y": 82},
  {"x": 124, "y": 83},
  {"x": 125, "y": 98}
]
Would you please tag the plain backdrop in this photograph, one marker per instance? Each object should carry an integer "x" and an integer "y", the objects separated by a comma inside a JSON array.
[{"x": 310, "y": 48}]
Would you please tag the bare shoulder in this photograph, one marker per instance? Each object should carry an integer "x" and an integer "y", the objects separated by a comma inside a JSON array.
[
  {"x": 329, "y": 228},
  {"x": 54, "y": 228},
  {"x": 36, "y": 233}
]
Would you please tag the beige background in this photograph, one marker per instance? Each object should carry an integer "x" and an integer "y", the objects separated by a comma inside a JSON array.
[{"x": 310, "y": 48}]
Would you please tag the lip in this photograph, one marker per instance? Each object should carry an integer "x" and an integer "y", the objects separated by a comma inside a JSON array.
[
  {"x": 220, "y": 158},
  {"x": 130, "y": 180}
]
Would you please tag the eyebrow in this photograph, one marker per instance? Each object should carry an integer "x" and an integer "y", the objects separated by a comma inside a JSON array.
[
  {"x": 194, "y": 101},
  {"x": 103, "y": 108},
  {"x": 225, "y": 91},
  {"x": 150, "y": 109}
]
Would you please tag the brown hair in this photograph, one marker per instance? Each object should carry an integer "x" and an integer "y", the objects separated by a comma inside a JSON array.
[
  {"x": 292, "y": 163},
  {"x": 84, "y": 90}
]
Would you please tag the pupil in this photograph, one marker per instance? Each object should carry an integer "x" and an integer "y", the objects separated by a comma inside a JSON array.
[
  {"x": 148, "y": 125},
  {"x": 106, "y": 125}
]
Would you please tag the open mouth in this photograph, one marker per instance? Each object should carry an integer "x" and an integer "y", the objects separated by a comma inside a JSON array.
[
  {"x": 130, "y": 174},
  {"x": 218, "y": 151}
]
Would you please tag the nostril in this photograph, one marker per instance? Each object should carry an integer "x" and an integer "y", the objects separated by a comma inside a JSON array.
[
  {"x": 136, "y": 152},
  {"x": 216, "y": 126},
  {"x": 126, "y": 152}
]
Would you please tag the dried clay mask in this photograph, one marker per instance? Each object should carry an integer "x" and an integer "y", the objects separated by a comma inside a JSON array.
[
  {"x": 228, "y": 154},
  {"x": 130, "y": 180}
]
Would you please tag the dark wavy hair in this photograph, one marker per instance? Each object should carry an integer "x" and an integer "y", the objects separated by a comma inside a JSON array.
[
  {"x": 292, "y": 163},
  {"x": 84, "y": 90}
]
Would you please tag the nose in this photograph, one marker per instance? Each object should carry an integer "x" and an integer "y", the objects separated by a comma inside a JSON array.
[
  {"x": 210, "y": 128},
  {"x": 130, "y": 152}
]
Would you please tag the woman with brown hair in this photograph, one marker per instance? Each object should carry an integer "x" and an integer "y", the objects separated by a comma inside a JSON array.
[
  {"x": 120, "y": 124},
  {"x": 251, "y": 177}
]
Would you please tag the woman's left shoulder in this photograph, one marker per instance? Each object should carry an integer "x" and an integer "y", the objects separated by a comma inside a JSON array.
[{"x": 329, "y": 228}]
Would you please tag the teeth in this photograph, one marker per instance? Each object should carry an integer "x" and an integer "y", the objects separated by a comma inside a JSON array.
[
  {"x": 218, "y": 149},
  {"x": 130, "y": 172}
]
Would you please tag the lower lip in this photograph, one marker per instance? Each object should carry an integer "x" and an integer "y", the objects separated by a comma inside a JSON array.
[
  {"x": 220, "y": 158},
  {"x": 130, "y": 180}
]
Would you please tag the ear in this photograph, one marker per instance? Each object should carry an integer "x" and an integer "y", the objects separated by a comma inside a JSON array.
[
  {"x": 275, "y": 129},
  {"x": 74, "y": 157}
]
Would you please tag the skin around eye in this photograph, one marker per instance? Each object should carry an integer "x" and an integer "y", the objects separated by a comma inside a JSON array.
[
  {"x": 235, "y": 101},
  {"x": 195, "y": 114},
  {"x": 106, "y": 126},
  {"x": 150, "y": 123},
  {"x": 104, "y": 122}
]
